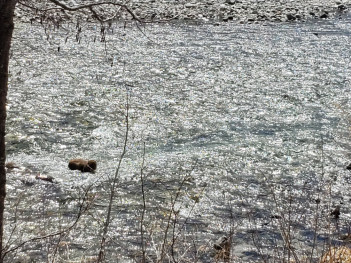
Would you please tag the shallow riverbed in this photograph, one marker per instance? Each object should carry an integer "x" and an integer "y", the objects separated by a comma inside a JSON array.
[{"x": 249, "y": 122}]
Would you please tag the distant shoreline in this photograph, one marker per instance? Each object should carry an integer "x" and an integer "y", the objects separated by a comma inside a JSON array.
[{"x": 240, "y": 11}]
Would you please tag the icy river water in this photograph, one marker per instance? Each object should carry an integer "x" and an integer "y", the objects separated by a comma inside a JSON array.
[{"x": 246, "y": 128}]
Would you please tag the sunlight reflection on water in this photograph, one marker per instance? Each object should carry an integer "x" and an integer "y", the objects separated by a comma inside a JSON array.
[{"x": 249, "y": 106}]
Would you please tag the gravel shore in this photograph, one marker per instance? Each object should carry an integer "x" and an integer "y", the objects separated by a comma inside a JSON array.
[{"x": 242, "y": 11}]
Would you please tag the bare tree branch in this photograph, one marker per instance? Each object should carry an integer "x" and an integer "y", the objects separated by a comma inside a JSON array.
[
  {"x": 61, "y": 7},
  {"x": 89, "y": 6}
]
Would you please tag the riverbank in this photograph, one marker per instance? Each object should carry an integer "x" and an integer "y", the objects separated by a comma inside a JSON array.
[{"x": 242, "y": 11}]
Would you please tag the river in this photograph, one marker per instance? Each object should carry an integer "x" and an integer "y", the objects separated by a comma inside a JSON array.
[{"x": 249, "y": 124}]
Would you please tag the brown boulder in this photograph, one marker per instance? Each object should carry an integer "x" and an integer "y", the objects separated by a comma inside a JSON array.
[
  {"x": 46, "y": 178},
  {"x": 82, "y": 165}
]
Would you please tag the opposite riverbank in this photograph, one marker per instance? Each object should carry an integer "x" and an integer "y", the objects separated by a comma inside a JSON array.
[{"x": 240, "y": 11}]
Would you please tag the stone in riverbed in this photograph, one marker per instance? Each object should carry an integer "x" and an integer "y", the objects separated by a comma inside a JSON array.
[
  {"x": 290, "y": 17},
  {"x": 11, "y": 166},
  {"x": 222, "y": 245},
  {"x": 82, "y": 165},
  {"x": 325, "y": 15},
  {"x": 342, "y": 7},
  {"x": 28, "y": 174},
  {"x": 336, "y": 212},
  {"x": 190, "y": 5},
  {"x": 47, "y": 178},
  {"x": 230, "y": 2}
]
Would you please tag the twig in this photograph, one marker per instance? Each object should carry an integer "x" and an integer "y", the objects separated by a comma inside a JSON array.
[
  {"x": 286, "y": 234},
  {"x": 176, "y": 235},
  {"x": 144, "y": 206},
  {"x": 254, "y": 237},
  {"x": 113, "y": 188},
  {"x": 63, "y": 6},
  {"x": 172, "y": 212},
  {"x": 88, "y": 6}
]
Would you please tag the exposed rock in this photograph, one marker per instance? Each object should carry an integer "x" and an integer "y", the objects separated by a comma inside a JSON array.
[
  {"x": 221, "y": 243},
  {"x": 276, "y": 217},
  {"x": 325, "y": 15},
  {"x": 10, "y": 166},
  {"x": 342, "y": 7},
  {"x": 190, "y": 5},
  {"x": 82, "y": 165},
  {"x": 46, "y": 178},
  {"x": 336, "y": 212},
  {"x": 28, "y": 176},
  {"x": 290, "y": 17},
  {"x": 230, "y": 2}
]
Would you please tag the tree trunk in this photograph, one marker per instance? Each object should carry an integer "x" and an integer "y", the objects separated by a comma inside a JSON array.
[{"x": 7, "y": 8}]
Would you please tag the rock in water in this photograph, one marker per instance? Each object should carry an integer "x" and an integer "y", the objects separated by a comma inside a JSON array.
[
  {"x": 82, "y": 165},
  {"x": 47, "y": 178},
  {"x": 325, "y": 15},
  {"x": 221, "y": 243},
  {"x": 336, "y": 212},
  {"x": 290, "y": 17},
  {"x": 342, "y": 7},
  {"x": 230, "y": 2}
]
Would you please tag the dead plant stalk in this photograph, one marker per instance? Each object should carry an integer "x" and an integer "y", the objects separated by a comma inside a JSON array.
[{"x": 114, "y": 182}]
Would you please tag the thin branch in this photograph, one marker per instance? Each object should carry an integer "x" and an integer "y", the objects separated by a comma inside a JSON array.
[
  {"x": 176, "y": 236},
  {"x": 96, "y": 15},
  {"x": 89, "y": 6},
  {"x": 113, "y": 187},
  {"x": 144, "y": 206},
  {"x": 171, "y": 213},
  {"x": 286, "y": 233}
]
